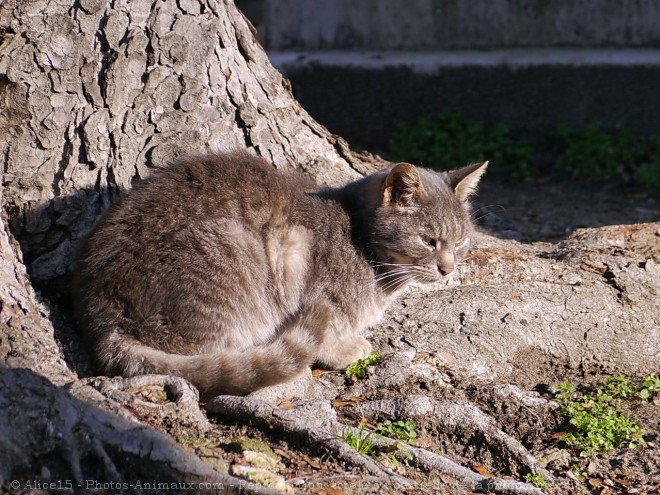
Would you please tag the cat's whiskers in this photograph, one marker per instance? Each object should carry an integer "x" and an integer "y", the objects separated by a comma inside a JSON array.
[
  {"x": 483, "y": 211},
  {"x": 395, "y": 276},
  {"x": 402, "y": 274},
  {"x": 374, "y": 262},
  {"x": 402, "y": 281},
  {"x": 391, "y": 273}
]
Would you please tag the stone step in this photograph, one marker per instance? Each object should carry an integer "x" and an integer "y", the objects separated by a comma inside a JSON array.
[{"x": 363, "y": 95}]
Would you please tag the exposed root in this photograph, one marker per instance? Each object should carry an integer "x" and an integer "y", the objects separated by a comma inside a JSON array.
[
  {"x": 323, "y": 432},
  {"x": 460, "y": 419},
  {"x": 163, "y": 396},
  {"x": 432, "y": 462},
  {"x": 318, "y": 424},
  {"x": 84, "y": 436},
  {"x": 524, "y": 398}
]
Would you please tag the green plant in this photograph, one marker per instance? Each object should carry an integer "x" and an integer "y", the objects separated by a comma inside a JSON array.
[
  {"x": 403, "y": 431},
  {"x": 578, "y": 472},
  {"x": 362, "y": 441},
  {"x": 393, "y": 457},
  {"x": 620, "y": 387},
  {"x": 648, "y": 171},
  {"x": 592, "y": 153},
  {"x": 538, "y": 480},
  {"x": 358, "y": 369},
  {"x": 598, "y": 425},
  {"x": 448, "y": 140},
  {"x": 650, "y": 386}
]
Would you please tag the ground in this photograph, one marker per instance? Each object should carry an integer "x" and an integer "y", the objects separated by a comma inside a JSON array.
[
  {"x": 549, "y": 209},
  {"x": 292, "y": 461}
]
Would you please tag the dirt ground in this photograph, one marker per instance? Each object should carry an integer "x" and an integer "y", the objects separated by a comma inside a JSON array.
[
  {"x": 311, "y": 470},
  {"x": 549, "y": 209}
]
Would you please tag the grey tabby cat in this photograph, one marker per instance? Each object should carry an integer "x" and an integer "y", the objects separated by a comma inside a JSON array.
[{"x": 231, "y": 274}]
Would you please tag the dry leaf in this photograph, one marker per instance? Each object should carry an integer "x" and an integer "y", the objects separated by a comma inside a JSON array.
[
  {"x": 312, "y": 462},
  {"x": 283, "y": 453},
  {"x": 482, "y": 471},
  {"x": 364, "y": 421},
  {"x": 593, "y": 482},
  {"x": 347, "y": 402},
  {"x": 557, "y": 435},
  {"x": 323, "y": 372}
]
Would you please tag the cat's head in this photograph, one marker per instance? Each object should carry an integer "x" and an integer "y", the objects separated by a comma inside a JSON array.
[{"x": 421, "y": 227}]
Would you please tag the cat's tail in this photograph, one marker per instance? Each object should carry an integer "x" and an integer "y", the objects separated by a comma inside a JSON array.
[{"x": 235, "y": 372}]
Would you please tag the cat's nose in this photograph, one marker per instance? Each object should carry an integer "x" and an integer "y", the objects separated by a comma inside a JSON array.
[{"x": 445, "y": 268}]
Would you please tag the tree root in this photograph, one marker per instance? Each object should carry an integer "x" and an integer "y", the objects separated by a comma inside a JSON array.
[
  {"x": 318, "y": 423},
  {"x": 460, "y": 419},
  {"x": 431, "y": 462},
  {"x": 323, "y": 433},
  {"x": 166, "y": 396},
  {"x": 75, "y": 429}
]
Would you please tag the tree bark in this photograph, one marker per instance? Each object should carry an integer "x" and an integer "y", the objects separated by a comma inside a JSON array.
[{"x": 96, "y": 94}]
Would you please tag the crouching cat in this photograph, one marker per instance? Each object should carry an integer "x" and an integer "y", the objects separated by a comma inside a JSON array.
[{"x": 233, "y": 275}]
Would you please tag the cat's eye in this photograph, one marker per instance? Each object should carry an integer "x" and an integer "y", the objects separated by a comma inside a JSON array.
[{"x": 429, "y": 241}]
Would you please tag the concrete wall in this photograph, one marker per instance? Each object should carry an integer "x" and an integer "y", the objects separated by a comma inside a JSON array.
[
  {"x": 362, "y": 96},
  {"x": 457, "y": 24},
  {"x": 361, "y": 66}
]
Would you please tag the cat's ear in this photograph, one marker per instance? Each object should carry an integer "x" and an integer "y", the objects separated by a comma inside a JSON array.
[
  {"x": 403, "y": 186},
  {"x": 464, "y": 180}
]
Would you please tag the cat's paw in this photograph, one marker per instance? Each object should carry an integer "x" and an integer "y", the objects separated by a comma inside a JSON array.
[
  {"x": 339, "y": 354},
  {"x": 362, "y": 349}
]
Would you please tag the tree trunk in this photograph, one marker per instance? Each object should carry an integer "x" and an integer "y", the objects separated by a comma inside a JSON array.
[{"x": 95, "y": 95}]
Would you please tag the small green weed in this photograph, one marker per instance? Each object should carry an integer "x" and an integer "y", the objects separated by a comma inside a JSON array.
[
  {"x": 398, "y": 453},
  {"x": 358, "y": 369},
  {"x": 598, "y": 425},
  {"x": 448, "y": 140},
  {"x": 650, "y": 387},
  {"x": 538, "y": 480},
  {"x": 580, "y": 474},
  {"x": 403, "y": 431},
  {"x": 362, "y": 441},
  {"x": 592, "y": 153},
  {"x": 621, "y": 387}
]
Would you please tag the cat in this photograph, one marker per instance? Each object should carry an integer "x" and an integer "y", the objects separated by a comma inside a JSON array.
[{"x": 235, "y": 276}]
